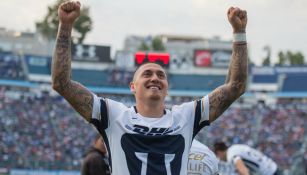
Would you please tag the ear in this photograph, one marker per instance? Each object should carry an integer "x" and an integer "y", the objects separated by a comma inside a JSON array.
[{"x": 132, "y": 89}]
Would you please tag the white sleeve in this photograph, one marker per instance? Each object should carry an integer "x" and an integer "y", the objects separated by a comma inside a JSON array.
[
  {"x": 235, "y": 159},
  {"x": 233, "y": 153},
  {"x": 96, "y": 108},
  {"x": 201, "y": 117},
  {"x": 205, "y": 109},
  {"x": 105, "y": 112}
]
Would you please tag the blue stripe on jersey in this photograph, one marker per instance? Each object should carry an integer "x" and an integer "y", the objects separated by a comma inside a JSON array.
[
  {"x": 252, "y": 166},
  {"x": 102, "y": 125},
  {"x": 197, "y": 124},
  {"x": 153, "y": 155},
  {"x": 104, "y": 114}
]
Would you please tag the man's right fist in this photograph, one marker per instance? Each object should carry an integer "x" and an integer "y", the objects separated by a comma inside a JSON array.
[
  {"x": 238, "y": 19},
  {"x": 69, "y": 11}
]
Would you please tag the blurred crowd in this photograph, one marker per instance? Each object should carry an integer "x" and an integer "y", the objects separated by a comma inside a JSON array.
[
  {"x": 11, "y": 67},
  {"x": 40, "y": 131},
  {"x": 120, "y": 77},
  {"x": 278, "y": 130}
]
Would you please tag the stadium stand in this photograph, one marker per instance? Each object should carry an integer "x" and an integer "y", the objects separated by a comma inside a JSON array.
[
  {"x": 11, "y": 66},
  {"x": 278, "y": 130},
  {"x": 294, "y": 83},
  {"x": 40, "y": 131},
  {"x": 265, "y": 78},
  {"x": 192, "y": 82},
  {"x": 38, "y": 64}
]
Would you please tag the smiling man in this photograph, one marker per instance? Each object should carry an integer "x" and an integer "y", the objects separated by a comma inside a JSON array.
[
  {"x": 150, "y": 87},
  {"x": 148, "y": 139}
]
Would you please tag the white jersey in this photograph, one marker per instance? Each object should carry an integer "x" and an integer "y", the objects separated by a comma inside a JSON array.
[
  {"x": 202, "y": 161},
  {"x": 254, "y": 160},
  {"x": 139, "y": 145}
]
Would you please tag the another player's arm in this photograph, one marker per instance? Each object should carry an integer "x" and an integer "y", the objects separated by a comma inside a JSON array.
[
  {"x": 222, "y": 97},
  {"x": 241, "y": 168},
  {"x": 77, "y": 95}
]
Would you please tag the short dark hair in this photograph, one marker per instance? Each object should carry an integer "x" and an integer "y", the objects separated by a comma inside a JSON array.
[
  {"x": 141, "y": 65},
  {"x": 145, "y": 63},
  {"x": 220, "y": 146}
]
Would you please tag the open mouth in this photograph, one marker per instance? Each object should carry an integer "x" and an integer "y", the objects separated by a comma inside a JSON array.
[{"x": 156, "y": 87}]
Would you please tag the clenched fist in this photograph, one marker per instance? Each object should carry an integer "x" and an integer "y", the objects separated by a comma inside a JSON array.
[
  {"x": 69, "y": 11},
  {"x": 237, "y": 19}
]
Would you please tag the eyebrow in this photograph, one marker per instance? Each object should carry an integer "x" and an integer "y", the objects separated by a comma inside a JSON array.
[
  {"x": 139, "y": 73},
  {"x": 158, "y": 71}
]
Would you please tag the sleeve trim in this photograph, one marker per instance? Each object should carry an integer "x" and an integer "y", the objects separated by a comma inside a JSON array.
[
  {"x": 205, "y": 109},
  {"x": 96, "y": 109}
]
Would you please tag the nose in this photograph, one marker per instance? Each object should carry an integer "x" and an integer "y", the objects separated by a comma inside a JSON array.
[{"x": 154, "y": 78}]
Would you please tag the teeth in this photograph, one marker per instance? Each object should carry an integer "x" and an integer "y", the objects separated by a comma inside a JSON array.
[{"x": 154, "y": 87}]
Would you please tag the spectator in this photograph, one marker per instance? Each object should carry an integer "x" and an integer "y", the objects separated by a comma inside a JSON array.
[
  {"x": 246, "y": 159},
  {"x": 96, "y": 161},
  {"x": 202, "y": 160},
  {"x": 11, "y": 66}
]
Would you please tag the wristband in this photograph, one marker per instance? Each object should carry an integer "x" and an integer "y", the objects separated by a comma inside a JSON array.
[{"x": 239, "y": 37}]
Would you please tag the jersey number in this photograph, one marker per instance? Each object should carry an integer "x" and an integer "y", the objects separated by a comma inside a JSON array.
[{"x": 153, "y": 155}]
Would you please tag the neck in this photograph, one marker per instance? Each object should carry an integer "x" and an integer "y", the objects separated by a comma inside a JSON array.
[{"x": 152, "y": 110}]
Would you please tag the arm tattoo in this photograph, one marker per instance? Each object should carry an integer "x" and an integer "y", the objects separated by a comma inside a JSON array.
[
  {"x": 238, "y": 68},
  {"x": 220, "y": 100},
  {"x": 76, "y": 94},
  {"x": 80, "y": 98},
  {"x": 222, "y": 97},
  {"x": 61, "y": 68}
]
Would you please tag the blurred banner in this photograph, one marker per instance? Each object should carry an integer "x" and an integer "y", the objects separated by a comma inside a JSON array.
[
  {"x": 211, "y": 58},
  {"x": 279, "y": 70},
  {"x": 153, "y": 57},
  {"x": 91, "y": 53},
  {"x": 38, "y": 64}
]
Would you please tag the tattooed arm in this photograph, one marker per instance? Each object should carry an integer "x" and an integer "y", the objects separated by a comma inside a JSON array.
[
  {"x": 222, "y": 97},
  {"x": 76, "y": 94}
]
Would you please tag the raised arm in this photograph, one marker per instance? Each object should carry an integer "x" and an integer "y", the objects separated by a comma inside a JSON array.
[
  {"x": 241, "y": 168},
  {"x": 77, "y": 95},
  {"x": 222, "y": 97}
]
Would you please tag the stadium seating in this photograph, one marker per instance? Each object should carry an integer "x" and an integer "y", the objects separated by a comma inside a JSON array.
[
  {"x": 39, "y": 131},
  {"x": 294, "y": 83},
  {"x": 11, "y": 66}
]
